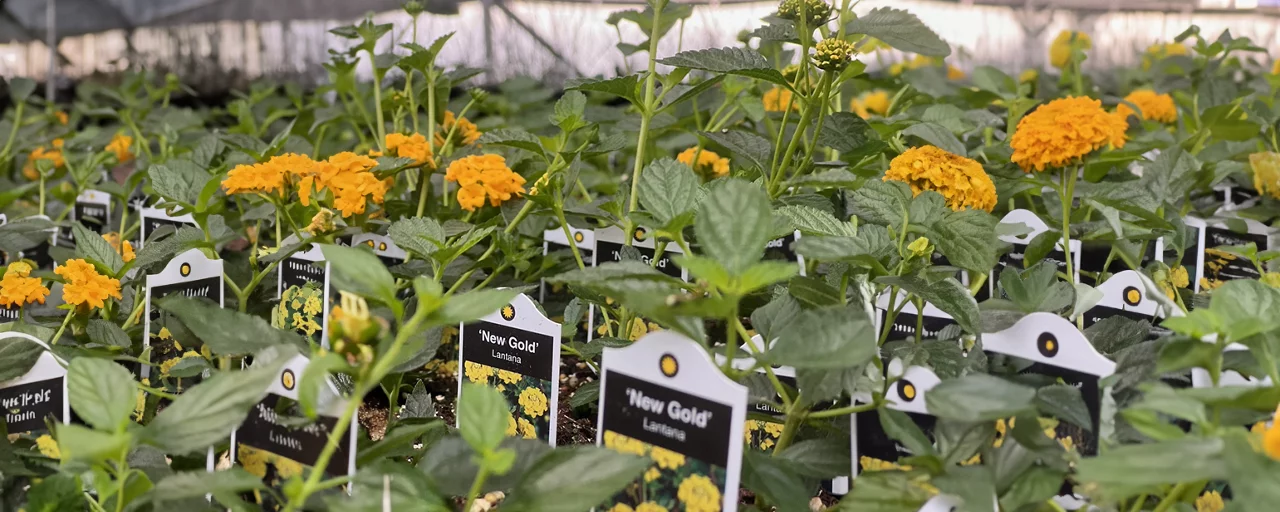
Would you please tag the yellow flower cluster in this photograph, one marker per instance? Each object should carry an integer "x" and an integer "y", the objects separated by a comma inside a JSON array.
[
  {"x": 623, "y": 444},
  {"x": 1067, "y": 40},
  {"x": 1215, "y": 260},
  {"x": 48, "y": 447},
  {"x": 484, "y": 175},
  {"x": 120, "y": 145},
  {"x": 1271, "y": 437},
  {"x": 1064, "y": 130},
  {"x": 298, "y": 309},
  {"x": 465, "y": 134},
  {"x": 1173, "y": 280},
  {"x": 1151, "y": 106},
  {"x": 413, "y": 146},
  {"x": 1210, "y": 502},
  {"x": 832, "y": 54},
  {"x": 1159, "y": 51},
  {"x": 534, "y": 402},
  {"x": 960, "y": 180},
  {"x": 1266, "y": 173},
  {"x": 255, "y": 462},
  {"x": 527, "y": 429},
  {"x": 870, "y": 102},
  {"x": 647, "y": 506},
  {"x": 168, "y": 365},
  {"x": 346, "y": 175},
  {"x": 53, "y": 155},
  {"x": 122, "y": 247},
  {"x": 17, "y": 288},
  {"x": 62, "y": 117},
  {"x": 779, "y": 99},
  {"x": 770, "y": 432},
  {"x": 477, "y": 373},
  {"x": 923, "y": 61},
  {"x": 710, "y": 165},
  {"x": 665, "y": 458},
  {"x": 508, "y": 377},
  {"x": 699, "y": 494},
  {"x": 85, "y": 286}
]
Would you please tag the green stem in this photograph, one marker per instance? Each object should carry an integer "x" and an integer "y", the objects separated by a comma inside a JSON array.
[
  {"x": 805, "y": 116},
  {"x": 62, "y": 328},
  {"x": 795, "y": 418},
  {"x": 481, "y": 475},
  {"x": 843, "y": 411},
  {"x": 646, "y": 115},
  {"x": 564, "y": 225},
  {"x": 1171, "y": 498},
  {"x": 42, "y": 190},
  {"x": 1137, "y": 504},
  {"x": 381, "y": 130},
  {"x": 524, "y": 212},
  {"x": 13, "y": 133},
  {"x": 1067, "y": 196}
]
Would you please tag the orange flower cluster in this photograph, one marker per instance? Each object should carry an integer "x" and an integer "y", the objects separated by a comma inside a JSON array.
[
  {"x": 1062, "y": 131},
  {"x": 120, "y": 145},
  {"x": 85, "y": 286},
  {"x": 124, "y": 248},
  {"x": 779, "y": 99},
  {"x": 17, "y": 288},
  {"x": 710, "y": 165},
  {"x": 466, "y": 133},
  {"x": 1152, "y": 106},
  {"x": 960, "y": 180},
  {"x": 347, "y": 175},
  {"x": 410, "y": 146},
  {"x": 481, "y": 175},
  {"x": 53, "y": 155}
]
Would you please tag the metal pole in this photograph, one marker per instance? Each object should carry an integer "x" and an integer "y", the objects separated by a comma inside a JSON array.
[
  {"x": 488, "y": 40},
  {"x": 51, "y": 40}
]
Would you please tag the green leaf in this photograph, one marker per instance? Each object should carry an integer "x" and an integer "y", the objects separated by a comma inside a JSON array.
[
  {"x": 24, "y": 233},
  {"x": 825, "y": 457},
  {"x": 872, "y": 243},
  {"x": 557, "y": 482},
  {"x": 774, "y": 480},
  {"x": 734, "y": 61},
  {"x": 82, "y": 444},
  {"x": 978, "y": 397},
  {"x": 179, "y": 181},
  {"x": 107, "y": 334},
  {"x": 756, "y": 150},
  {"x": 465, "y": 307},
  {"x": 1037, "y": 288},
  {"x": 882, "y": 202},
  {"x": 885, "y": 491},
  {"x": 1246, "y": 308},
  {"x": 206, "y": 413},
  {"x": 21, "y": 88},
  {"x": 850, "y": 135},
  {"x": 1064, "y": 401},
  {"x": 762, "y": 274},
  {"x": 17, "y": 356},
  {"x": 210, "y": 323},
  {"x": 569, "y": 110},
  {"x": 1161, "y": 463},
  {"x": 974, "y": 485},
  {"x": 482, "y": 416},
  {"x": 668, "y": 188},
  {"x": 196, "y": 484},
  {"x": 314, "y": 379},
  {"x": 900, "y": 29},
  {"x": 101, "y": 392},
  {"x": 626, "y": 87},
  {"x": 400, "y": 437},
  {"x": 421, "y": 235},
  {"x": 1171, "y": 176},
  {"x": 812, "y": 221},
  {"x": 813, "y": 292},
  {"x": 518, "y": 139},
  {"x": 1036, "y": 484},
  {"x": 828, "y": 338},
  {"x": 733, "y": 224},
  {"x": 947, "y": 295},
  {"x": 901, "y": 428},
  {"x": 97, "y": 250},
  {"x": 358, "y": 271},
  {"x": 937, "y": 135},
  {"x": 958, "y": 441}
]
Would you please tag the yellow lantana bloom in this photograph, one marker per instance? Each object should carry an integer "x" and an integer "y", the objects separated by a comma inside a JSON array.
[
  {"x": 17, "y": 288},
  {"x": 85, "y": 286},
  {"x": 961, "y": 181},
  {"x": 1064, "y": 130},
  {"x": 1067, "y": 40},
  {"x": 779, "y": 99},
  {"x": 479, "y": 176},
  {"x": 1152, "y": 106},
  {"x": 710, "y": 165}
]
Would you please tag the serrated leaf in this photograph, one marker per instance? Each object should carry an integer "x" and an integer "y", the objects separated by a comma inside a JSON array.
[
  {"x": 733, "y": 224},
  {"x": 900, "y": 29},
  {"x": 668, "y": 188},
  {"x": 756, "y": 150},
  {"x": 623, "y": 86},
  {"x": 734, "y": 61},
  {"x": 421, "y": 235},
  {"x": 937, "y": 135},
  {"x": 518, "y": 139}
]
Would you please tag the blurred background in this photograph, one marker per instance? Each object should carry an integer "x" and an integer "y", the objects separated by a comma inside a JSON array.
[{"x": 220, "y": 45}]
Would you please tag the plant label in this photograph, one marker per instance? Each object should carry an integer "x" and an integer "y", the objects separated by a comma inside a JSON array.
[
  {"x": 664, "y": 398},
  {"x": 274, "y": 449},
  {"x": 1217, "y": 263},
  {"x": 780, "y": 249},
  {"x": 386, "y": 250},
  {"x": 552, "y": 296},
  {"x": 517, "y": 351},
  {"x": 1234, "y": 197},
  {"x": 39, "y": 394},
  {"x": 39, "y": 255},
  {"x": 871, "y": 447},
  {"x": 1033, "y": 226},
  {"x": 298, "y": 270},
  {"x": 191, "y": 274},
  {"x": 152, "y": 218},
  {"x": 1128, "y": 294},
  {"x": 1049, "y": 345},
  {"x": 609, "y": 247},
  {"x": 933, "y": 320},
  {"x": 92, "y": 209}
]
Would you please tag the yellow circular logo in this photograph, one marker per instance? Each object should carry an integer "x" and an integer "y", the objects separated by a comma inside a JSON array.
[
  {"x": 287, "y": 380},
  {"x": 382, "y": 246},
  {"x": 1132, "y": 296},
  {"x": 369, "y": 243},
  {"x": 639, "y": 234},
  {"x": 669, "y": 366},
  {"x": 577, "y": 237},
  {"x": 1048, "y": 344},
  {"x": 185, "y": 269},
  {"x": 508, "y": 312},
  {"x": 906, "y": 390}
]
